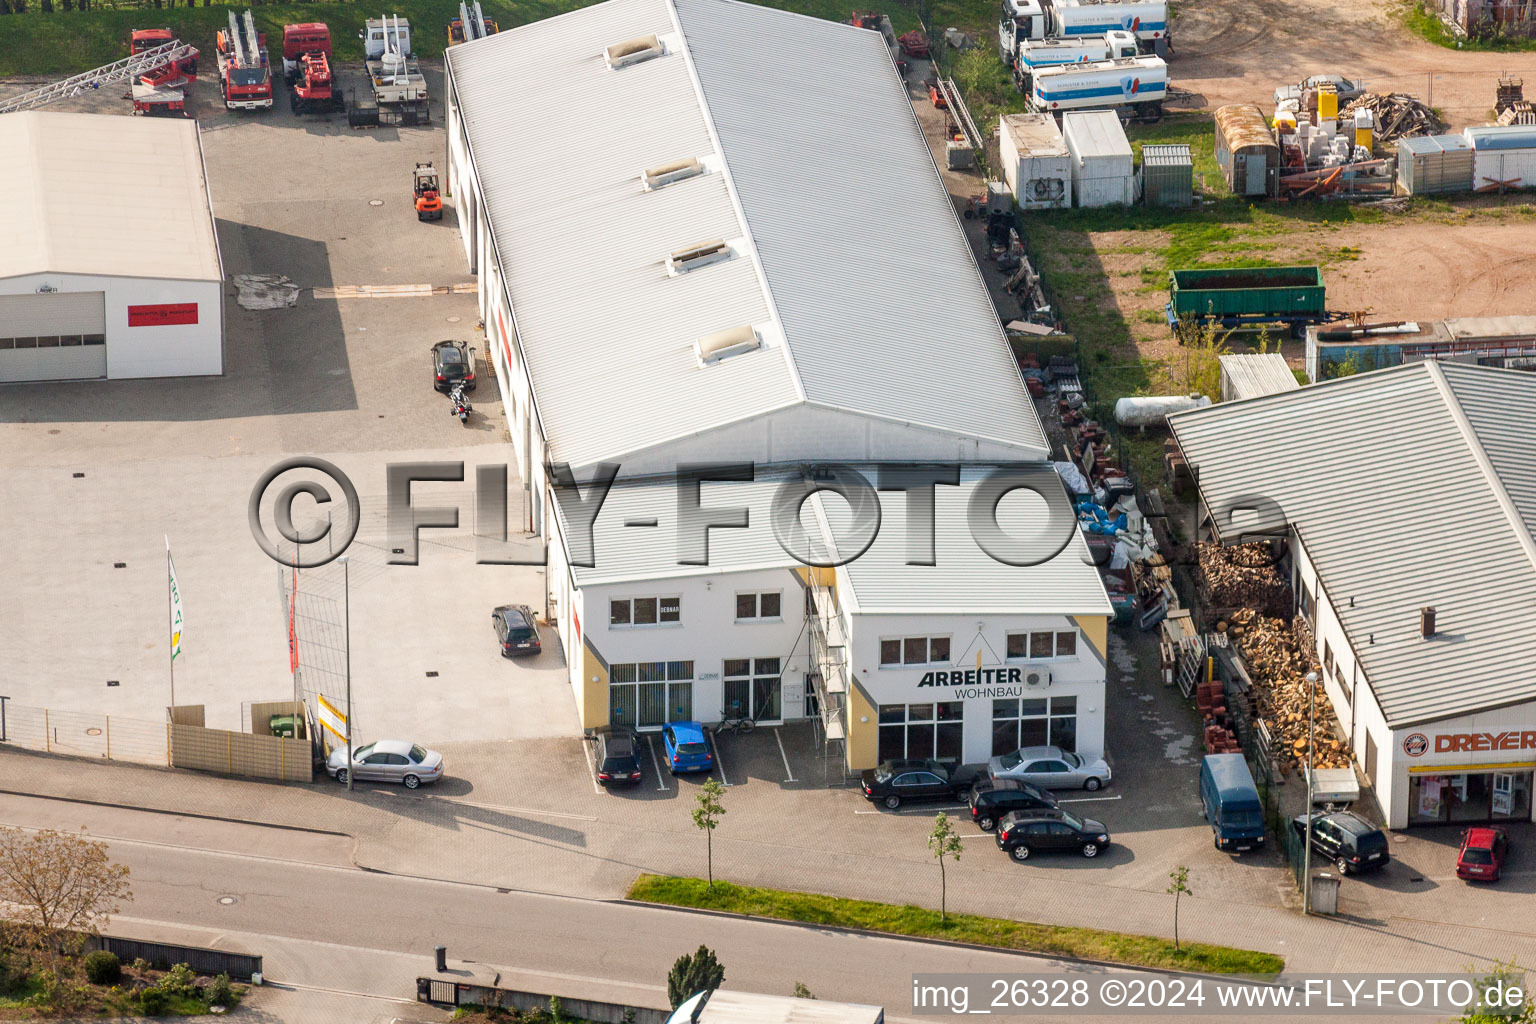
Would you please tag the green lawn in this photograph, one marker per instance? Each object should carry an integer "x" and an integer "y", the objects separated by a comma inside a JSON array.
[{"x": 1086, "y": 943}]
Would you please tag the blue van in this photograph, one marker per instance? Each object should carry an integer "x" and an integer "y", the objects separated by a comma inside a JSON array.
[{"x": 1230, "y": 802}]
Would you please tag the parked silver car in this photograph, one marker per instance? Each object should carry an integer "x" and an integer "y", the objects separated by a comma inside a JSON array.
[
  {"x": 388, "y": 761},
  {"x": 1050, "y": 768}
]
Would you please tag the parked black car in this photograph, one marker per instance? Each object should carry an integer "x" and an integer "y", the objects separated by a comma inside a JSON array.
[
  {"x": 1351, "y": 842},
  {"x": 618, "y": 757},
  {"x": 1022, "y": 833},
  {"x": 516, "y": 630},
  {"x": 452, "y": 363},
  {"x": 991, "y": 801},
  {"x": 896, "y": 781}
]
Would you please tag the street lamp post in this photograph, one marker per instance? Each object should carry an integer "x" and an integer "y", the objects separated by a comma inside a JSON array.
[
  {"x": 1306, "y": 872},
  {"x": 346, "y": 598}
]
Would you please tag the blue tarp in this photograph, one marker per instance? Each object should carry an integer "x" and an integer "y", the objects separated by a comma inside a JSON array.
[{"x": 1094, "y": 519}]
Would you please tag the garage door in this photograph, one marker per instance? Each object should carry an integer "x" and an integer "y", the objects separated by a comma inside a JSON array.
[{"x": 53, "y": 336}]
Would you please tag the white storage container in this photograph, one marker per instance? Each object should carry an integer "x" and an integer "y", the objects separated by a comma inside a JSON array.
[
  {"x": 1103, "y": 167},
  {"x": 1503, "y": 157},
  {"x": 1036, "y": 164}
]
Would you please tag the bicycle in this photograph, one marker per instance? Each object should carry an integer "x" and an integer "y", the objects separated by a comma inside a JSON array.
[{"x": 736, "y": 726}]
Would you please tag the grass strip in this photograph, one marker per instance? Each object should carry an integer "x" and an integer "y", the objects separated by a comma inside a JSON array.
[{"x": 920, "y": 922}]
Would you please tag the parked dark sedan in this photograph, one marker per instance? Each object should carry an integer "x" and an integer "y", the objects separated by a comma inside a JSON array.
[
  {"x": 991, "y": 801},
  {"x": 896, "y": 781},
  {"x": 452, "y": 363},
  {"x": 1351, "y": 842},
  {"x": 1025, "y": 832},
  {"x": 618, "y": 758},
  {"x": 516, "y": 630}
]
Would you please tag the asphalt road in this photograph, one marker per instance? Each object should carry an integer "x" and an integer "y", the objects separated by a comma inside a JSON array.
[{"x": 323, "y": 925}]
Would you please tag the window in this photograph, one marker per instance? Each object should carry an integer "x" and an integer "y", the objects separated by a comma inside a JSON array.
[
  {"x": 1304, "y": 600},
  {"x": 922, "y": 730},
  {"x": 648, "y": 694},
  {"x": 764, "y": 605},
  {"x": 645, "y": 611},
  {"x": 914, "y": 650},
  {"x": 1328, "y": 657},
  {"x": 1036, "y": 646},
  {"x": 751, "y": 689},
  {"x": 1034, "y": 722}
]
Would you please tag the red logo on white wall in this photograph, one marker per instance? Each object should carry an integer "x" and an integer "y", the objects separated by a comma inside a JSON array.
[
  {"x": 167, "y": 314},
  {"x": 1415, "y": 744}
]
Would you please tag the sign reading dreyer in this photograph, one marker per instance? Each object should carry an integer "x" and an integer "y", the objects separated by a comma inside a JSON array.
[
  {"x": 166, "y": 314},
  {"x": 1417, "y": 744}
]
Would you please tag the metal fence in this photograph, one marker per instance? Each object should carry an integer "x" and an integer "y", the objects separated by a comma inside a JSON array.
[
  {"x": 239, "y": 966},
  {"x": 86, "y": 734}
]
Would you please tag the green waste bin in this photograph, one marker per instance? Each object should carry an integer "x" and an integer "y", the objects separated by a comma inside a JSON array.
[{"x": 283, "y": 725}]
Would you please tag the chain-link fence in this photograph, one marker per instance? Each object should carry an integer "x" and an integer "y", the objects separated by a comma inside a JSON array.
[{"x": 85, "y": 734}]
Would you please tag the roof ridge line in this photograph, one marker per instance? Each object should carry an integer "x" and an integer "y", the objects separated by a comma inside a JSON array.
[
  {"x": 1500, "y": 492},
  {"x": 35, "y": 145},
  {"x": 730, "y": 190}
]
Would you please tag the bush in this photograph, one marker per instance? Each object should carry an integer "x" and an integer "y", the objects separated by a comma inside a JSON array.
[
  {"x": 139, "y": 965},
  {"x": 103, "y": 968},
  {"x": 219, "y": 991},
  {"x": 153, "y": 1002},
  {"x": 178, "y": 981}
]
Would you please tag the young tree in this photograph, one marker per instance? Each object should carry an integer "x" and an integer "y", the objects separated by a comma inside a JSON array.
[
  {"x": 60, "y": 888},
  {"x": 706, "y": 816},
  {"x": 944, "y": 842},
  {"x": 692, "y": 974},
  {"x": 1178, "y": 885},
  {"x": 802, "y": 991}
]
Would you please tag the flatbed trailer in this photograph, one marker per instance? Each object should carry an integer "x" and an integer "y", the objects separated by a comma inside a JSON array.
[{"x": 1240, "y": 297}]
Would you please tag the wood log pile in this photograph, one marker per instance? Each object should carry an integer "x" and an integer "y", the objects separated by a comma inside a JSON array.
[
  {"x": 1240, "y": 576},
  {"x": 1398, "y": 116},
  {"x": 1277, "y": 662}
]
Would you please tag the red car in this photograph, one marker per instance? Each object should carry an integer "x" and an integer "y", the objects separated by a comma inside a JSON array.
[{"x": 1482, "y": 854}]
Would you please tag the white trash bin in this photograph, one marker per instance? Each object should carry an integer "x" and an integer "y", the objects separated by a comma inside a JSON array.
[{"x": 1325, "y": 894}]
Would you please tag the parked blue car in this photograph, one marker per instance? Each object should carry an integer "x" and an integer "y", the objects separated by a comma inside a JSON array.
[{"x": 687, "y": 747}]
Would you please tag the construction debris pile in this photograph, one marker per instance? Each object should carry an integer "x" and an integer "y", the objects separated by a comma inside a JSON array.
[
  {"x": 1277, "y": 658},
  {"x": 1240, "y": 576},
  {"x": 1396, "y": 116},
  {"x": 1511, "y": 104}
]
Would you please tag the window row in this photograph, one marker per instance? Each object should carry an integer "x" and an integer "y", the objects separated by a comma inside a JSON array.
[
  {"x": 764, "y": 605},
  {"x": 935, "y": 650}
]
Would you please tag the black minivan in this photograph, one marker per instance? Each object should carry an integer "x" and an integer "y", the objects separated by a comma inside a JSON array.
[
  {"x": 991, "y": 801},
  {"x": 1351, "y": 842},
  {"x": 618, "y": 757},
  {"x": 515, "y": 630}
]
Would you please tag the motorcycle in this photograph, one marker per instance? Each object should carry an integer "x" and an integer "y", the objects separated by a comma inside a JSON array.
[{"x": 461, "y": 406}]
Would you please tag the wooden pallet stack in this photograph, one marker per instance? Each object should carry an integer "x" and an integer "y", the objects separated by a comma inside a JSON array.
[{"x": 1277, "y": 663}]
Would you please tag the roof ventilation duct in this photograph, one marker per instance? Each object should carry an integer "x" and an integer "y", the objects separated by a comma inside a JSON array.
[
  {"x": 621, "y": 55},
  {"x": 656, "y": 177},
  {"x": 723, "y": 344},
  {"x": 694, "y": 257}
]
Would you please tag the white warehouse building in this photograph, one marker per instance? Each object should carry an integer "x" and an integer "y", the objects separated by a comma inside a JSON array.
[
  {"x": 713, "y": 272},
  {"x": 111, "y": 265},
  {"x": 1413, "y": 557}
]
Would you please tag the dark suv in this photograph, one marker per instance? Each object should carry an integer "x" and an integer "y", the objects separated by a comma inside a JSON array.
[
  {"x": 1351, "y": 842},
  {"x": 618, "y": 758},
  {"x": 1024, "y": 832},
  {"x": 990, "y": 801},
  {"x": 515, "y": 630}
]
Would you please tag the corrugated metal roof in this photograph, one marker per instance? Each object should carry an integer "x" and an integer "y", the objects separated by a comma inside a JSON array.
[
  {"x": 1421, "y": 145},
  {"x": 1513, "y": 136},
  {"x": 1254, "y": 374},
  {"x": 965, "y": 578},
  {"x": 1166, "y": 156},
  {"x": 1243, "y": 125},
  {"x": 1035, "y": 134},
  {"x": 96, "y": 194},
  {"x": 819, "y": 168},
  {"x": 1095, "y": 133},
  {"x": 727, "y": 1007},
  {"x": 1409, "y": 487}
]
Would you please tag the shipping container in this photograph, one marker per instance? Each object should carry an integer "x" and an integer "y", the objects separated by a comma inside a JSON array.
[
  {"x": 1167, "y": 176},
  {"x": 1503, "y": 157},
  {"x": 1247, "y": 151},
  {"x": 1428, "y": 165},
  {"x": 1103, "y": 166},
  {"x": 1036, "y": 164},
  {"x": 1247, "y": 296}
]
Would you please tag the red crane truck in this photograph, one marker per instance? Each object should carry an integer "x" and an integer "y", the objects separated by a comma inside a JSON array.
[
  {"x": 162, "y": 89},
  {"x": 312, "y": 86},
  {"x": 245, "y": 78}
]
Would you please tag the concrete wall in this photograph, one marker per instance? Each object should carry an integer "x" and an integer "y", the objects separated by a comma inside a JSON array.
[{"x": 183, "y": 350}]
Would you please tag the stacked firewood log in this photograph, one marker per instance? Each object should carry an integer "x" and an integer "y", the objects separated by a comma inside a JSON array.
[
  {"x": 1278, "y": 657},
  {"x": 1240, "y": 576}
]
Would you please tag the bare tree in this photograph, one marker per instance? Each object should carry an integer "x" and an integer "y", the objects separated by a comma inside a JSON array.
[
  {"x": 1178, "y": 885},
  {"x": 60, "y": 888},
  {"x": 944, "y": 842}
]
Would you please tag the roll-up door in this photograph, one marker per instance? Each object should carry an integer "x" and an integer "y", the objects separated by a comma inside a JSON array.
[{"x": 53, "y": 336}]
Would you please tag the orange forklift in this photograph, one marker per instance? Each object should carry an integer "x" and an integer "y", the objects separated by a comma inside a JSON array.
[{"x": 429, "y": 198}]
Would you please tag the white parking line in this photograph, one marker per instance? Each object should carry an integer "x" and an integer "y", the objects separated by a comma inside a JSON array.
[
  {"x": 586, "y": 750},
  {"x": 787, "y": 769},
  {"x": 1088, "y": 799},
  {"x": 720, "y": 761},
  {"x": 650, "y": 742},
  {"x": 922, "y": 810}
]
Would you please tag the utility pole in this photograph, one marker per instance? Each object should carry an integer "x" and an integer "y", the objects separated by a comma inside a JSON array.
[
  {"x": 346, "y": 599},
  {"x": 1306, "y": 873}
]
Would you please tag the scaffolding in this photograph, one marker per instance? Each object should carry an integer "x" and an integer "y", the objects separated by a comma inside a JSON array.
[{"x": 829, "y": 679}]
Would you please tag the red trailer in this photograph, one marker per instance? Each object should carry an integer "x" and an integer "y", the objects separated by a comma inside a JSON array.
[{"x": 312, "y": 87}]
